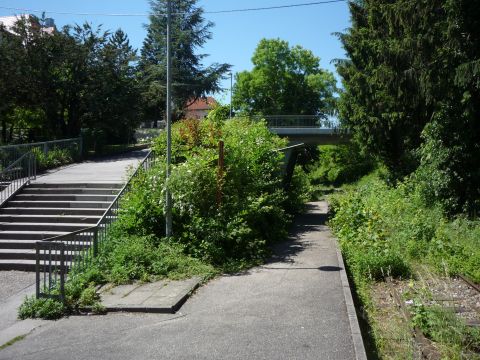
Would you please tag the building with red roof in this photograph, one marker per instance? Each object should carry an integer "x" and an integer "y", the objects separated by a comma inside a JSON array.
[{"x": 200, "y": 108}]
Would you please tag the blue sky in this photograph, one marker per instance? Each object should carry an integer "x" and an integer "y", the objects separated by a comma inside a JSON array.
[{"x": 235, "y": 35}]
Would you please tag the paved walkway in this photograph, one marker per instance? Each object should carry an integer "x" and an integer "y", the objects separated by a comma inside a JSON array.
[
  {"x": 297, "y": 306},
  {"x": 106, "y": 169}
]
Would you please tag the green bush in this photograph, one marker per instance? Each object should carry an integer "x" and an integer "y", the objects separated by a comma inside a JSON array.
[
  {"x": 49, "y": 309},
  {"x": 53, "y": 158},
  {"x": 339, "y": 164},
  {"x": 134, "y": 257},
  {"x": 383, "y": 230},
  {"x": 217, "y": 218}
]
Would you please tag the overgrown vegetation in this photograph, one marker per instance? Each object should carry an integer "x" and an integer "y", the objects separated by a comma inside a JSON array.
[
  {"x": 385, "y": 231},
  {"x": 411, "y": 99},
  {"x": 220, "y": 215},
  {"x": 224, "y": 218},
  {"x": 339, "y": 164},
  {"x": 54, "y": 157},
  {"x": 412, "y": 93}
]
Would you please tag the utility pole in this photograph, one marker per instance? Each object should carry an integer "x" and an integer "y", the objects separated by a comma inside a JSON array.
[
  {"x": 231, "y": 87},
  {"x": 168, "y": 200}
]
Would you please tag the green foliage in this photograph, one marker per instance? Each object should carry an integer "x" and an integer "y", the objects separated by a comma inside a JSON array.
[
  {"x": 449, "y": 171},
  {"x": 190, "y": 31},
  {"x": 284, "y": 80},
  {"x": 384, "y": 230},
  {"x": 219, "y": 218},
  {"x": 77, "y": 77},
  {"x": 53, "y": 158},
  {"x": 411, "y": 93},
  {"x": 445, "y": 328},
  {"x": 339, "y": 164},
  {"x": 219, "y": 113},
  {"x": 42, "y": 308},
  {"x": 144, "y": 258}
]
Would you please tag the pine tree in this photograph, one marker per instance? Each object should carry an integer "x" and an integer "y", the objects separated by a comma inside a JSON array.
[{"x": 191, "y": 79}]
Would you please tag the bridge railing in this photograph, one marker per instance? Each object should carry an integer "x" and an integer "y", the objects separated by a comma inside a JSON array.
[{"x": 297, "y": 121}]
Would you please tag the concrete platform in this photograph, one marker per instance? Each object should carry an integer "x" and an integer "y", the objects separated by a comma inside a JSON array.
[{"x": 156, "y": 297}]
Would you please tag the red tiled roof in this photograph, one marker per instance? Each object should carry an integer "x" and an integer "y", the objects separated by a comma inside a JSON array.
[{"x": 202, "y": 104}]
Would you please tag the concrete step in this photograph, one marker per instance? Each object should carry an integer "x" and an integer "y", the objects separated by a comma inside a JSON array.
[
  {"x": 48, "y": 219},
  {"x": 60, "y": 204},
  {"x": 56, "y": 227},
  {"x": 78, "y": 185},
  {"x": 92, "y": 191},
  {"x": 63, "y": 197},
  {"x": 31, "y": 254},
  {"x": 30, "y": 244},
  {"x": 17, "y": 244},
  {"x": 51, "y": 211},
  {"x": 29, "y": 235},
  {"x": 22, "y": 265}
]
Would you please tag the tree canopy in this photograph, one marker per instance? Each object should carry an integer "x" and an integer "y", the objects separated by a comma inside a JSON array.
[
  {"x": 55, "y": 84},
  {"x": 284, "y": 81},
  {"x": 412, "y": 92},
  {"x": 191, "y": 79}
]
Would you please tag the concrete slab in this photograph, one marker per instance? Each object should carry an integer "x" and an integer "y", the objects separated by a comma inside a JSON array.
[
  {"x": 15, "y": 285},
  {"x": 157, "y": 297},
  {"x": 111, "y": 169}
]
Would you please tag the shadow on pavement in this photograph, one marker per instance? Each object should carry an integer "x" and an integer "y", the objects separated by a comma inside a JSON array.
[{"x": 285, "y": 251}]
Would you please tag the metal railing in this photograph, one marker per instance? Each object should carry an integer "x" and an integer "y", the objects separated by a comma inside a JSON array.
[
  {"x": 16, "y": 176},
  {"x": 58, "y": 256},
  {"x": 11, "y": 153},
  {"x": 297, "y": 121}
]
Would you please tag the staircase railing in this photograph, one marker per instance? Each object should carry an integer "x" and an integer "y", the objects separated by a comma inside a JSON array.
[
  {"x": 58, "y": 256},
  {"x": 17, "y": 175},
  {"x": 11, "y": 153}
]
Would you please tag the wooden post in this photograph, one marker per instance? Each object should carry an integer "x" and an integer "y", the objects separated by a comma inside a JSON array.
[{"x": 221, "y": 166}]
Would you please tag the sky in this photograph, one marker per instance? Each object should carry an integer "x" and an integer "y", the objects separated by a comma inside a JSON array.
[{"x": 235, "y": 35}]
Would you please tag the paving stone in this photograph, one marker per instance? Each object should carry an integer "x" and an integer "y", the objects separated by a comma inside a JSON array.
[{"x": 160, "y": 296}]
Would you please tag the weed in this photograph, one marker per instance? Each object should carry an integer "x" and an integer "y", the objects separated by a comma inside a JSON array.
[
  {"x": 49, "y": 309},
  {"x": 13, "y": 341}
]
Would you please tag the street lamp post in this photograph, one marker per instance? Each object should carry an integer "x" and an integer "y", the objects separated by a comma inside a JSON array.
[
  {"x": 168, "y": 200},
  {"x": 231, "y": 87}
]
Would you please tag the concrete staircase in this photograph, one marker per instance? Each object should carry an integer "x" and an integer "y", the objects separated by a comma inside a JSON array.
[{"x": 44, "y": 210}]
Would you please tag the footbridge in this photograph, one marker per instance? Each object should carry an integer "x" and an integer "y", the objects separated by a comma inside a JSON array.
[{"x": 306, "y": 129}]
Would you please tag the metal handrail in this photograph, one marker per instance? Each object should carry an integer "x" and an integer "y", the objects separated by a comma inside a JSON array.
[
  {"x": 59, "y": 255},
  {"x": 11, "y": 153},
  {"x": 17, "y": 174},
  {"x": 99, "y": 222},
  {"x": 145, "y": 160}
]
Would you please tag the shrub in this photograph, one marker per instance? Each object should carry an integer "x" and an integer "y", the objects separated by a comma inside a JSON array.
[
  {"x": 339, "y": 164},
  {"x": 129, "y": 258},
  {"x": 49, "y": 309},
  {"x": 53, "y": 158},
  {"x": 387, "y": 228},
  {"x": 217, "y": 217}
]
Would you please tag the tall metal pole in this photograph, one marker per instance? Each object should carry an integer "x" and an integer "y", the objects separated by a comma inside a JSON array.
[
  {"x": 231, "y": 86},
  {"x": 168, "y": 200}
]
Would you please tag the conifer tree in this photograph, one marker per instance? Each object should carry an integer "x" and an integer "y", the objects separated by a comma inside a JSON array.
[{"x": 191, "y": 80}]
